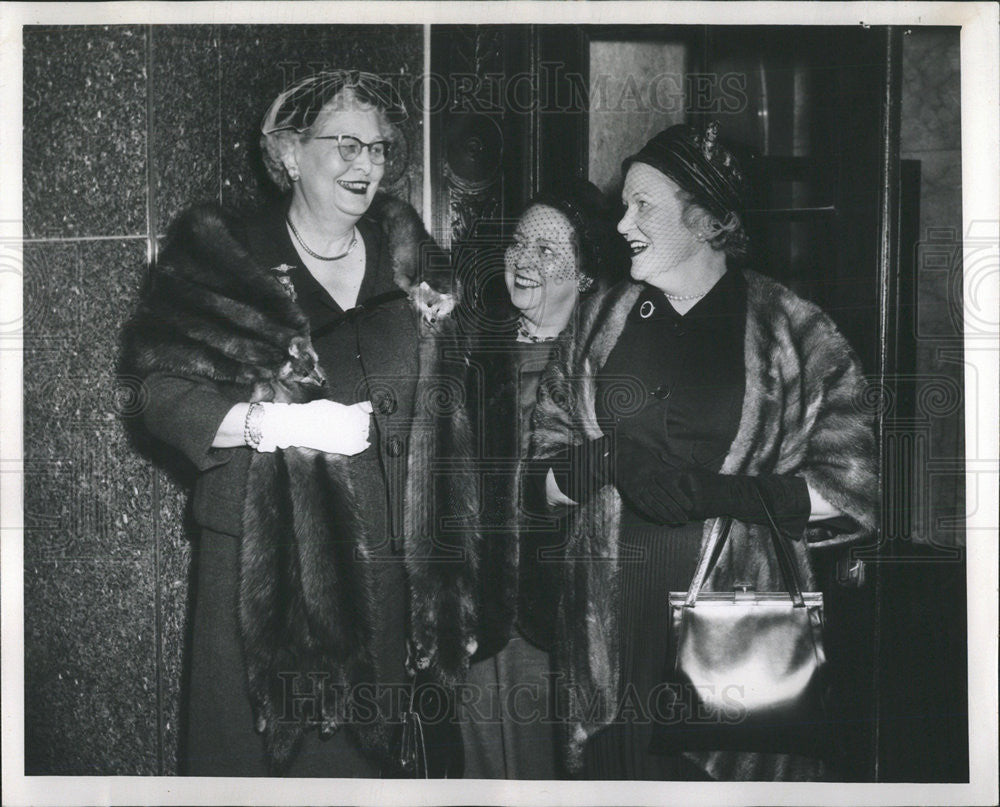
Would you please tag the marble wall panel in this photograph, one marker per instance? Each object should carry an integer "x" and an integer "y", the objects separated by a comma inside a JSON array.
[
  {"x": 90, "y": 668},
  {"x": 88, "y": 493},
  {"x": 90, "y": 584},
  {"x": 84, "y": 131},
  {"x": 173, "y": 537},
  {"x": 638, "y": 91},
  {"x": 184, "y": 125}
]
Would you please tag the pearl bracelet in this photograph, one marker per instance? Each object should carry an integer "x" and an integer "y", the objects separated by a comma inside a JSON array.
[{"x": 252, "y": 424}]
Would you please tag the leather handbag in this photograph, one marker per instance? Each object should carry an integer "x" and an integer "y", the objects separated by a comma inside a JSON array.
[{"x": 748, "y": 666}]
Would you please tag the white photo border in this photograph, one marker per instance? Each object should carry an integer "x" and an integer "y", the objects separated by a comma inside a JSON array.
[{"x": 980, "y": 47}]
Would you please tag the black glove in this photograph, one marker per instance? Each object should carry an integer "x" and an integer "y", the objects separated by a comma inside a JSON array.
[
  {"x": 583, "y": 469},
  {"x": 711, "y": 495},
  {"x": 666, "y": 491},
  {"x": 651, "y": 486}
]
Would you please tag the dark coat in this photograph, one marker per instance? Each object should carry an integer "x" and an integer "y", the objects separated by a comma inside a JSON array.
[
  {"x": 802, "y": 414},
  {"x": 217, "y": 327}
]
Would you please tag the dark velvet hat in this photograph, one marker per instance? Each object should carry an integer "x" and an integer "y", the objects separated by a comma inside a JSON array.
[{"x": 700, "y": 164}]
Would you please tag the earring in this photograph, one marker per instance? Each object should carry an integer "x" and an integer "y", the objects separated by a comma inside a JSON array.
[
  {"x": 584, "y": 284},
  {"x": 701, "y": 237},
  {"x": 293, "y": 173}
]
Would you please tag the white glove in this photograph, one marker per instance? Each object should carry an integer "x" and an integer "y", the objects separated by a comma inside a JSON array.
[{"x": 323, "y": 425}]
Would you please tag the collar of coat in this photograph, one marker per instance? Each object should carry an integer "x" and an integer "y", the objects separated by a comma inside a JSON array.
[
  {"x": 803, "y": 413},
  {"x": 307, "y": 601}
]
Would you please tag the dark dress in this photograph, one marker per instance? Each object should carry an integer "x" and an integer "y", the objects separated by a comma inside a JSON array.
[
  {"x": 692, "y": 373},
  {"x": 370, "y": 356}
]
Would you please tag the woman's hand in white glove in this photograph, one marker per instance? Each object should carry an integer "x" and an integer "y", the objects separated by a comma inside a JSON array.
[{"x": 322, "y": 425}]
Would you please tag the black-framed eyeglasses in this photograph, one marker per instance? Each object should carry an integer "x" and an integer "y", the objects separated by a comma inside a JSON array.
[{"x": 350, "y": 147}]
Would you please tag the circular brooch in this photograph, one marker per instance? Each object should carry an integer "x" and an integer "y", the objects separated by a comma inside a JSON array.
[{"x": 646, "y": 309}]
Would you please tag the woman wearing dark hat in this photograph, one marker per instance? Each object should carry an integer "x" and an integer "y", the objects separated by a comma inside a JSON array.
[
  {"x": 563, "y": 249},
  {"x": 288, "y": 356},
  {"x": 737, "y": 386}
]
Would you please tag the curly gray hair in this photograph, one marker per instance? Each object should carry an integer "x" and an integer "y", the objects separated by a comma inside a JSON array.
[{"x": 294, "y": 113}]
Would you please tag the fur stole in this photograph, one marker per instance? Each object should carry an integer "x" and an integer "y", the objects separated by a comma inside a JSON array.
[
  {"x": 802, "y": 414},
  {"x": 493, "y": 385},
  {"x": 306, "y": 598},
  {"x": 503, "y": 374}
]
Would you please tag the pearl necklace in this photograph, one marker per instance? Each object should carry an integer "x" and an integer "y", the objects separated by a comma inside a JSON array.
[
  {"x": 316, "y": 255},
  {"x": 522, "y": 331},
  {"x": 681, "y": 297}
]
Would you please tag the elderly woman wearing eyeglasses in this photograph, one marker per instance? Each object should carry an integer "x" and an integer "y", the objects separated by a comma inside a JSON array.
[{"x": 296, "y": 358}]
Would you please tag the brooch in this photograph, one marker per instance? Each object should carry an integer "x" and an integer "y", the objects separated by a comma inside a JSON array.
[{"x": 281, "y": 274}]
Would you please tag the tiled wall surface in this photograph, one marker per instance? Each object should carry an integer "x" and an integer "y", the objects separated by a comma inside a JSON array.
[
  {"x": 931, "y": 133},
  {"x": 124, "y": 127}
]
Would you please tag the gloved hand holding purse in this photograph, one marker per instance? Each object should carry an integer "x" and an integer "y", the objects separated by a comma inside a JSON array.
[{"x": 736, "y": 495}]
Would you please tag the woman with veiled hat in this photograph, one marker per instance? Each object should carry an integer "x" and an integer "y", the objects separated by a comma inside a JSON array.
[
  {"x": 563, "y": 249},
  {"x": 297, "y": 358},
  {"x": 684, "y": 393}
]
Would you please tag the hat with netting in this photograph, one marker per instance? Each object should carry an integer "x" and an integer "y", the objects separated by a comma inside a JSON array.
[
  {"x": 603, "y": 252},
  {"x": 296, "y": 109},
  {"x": 700, "y": 164}
]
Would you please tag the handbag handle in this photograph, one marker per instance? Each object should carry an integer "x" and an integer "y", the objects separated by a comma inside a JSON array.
[
  {"x": 412, "y": 746},
  {"x": 717, "y": 538}
]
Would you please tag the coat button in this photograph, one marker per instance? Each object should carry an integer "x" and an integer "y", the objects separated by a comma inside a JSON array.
[
  {"x": 386, "y": 403},
  {"x": 394, "y": 446}
]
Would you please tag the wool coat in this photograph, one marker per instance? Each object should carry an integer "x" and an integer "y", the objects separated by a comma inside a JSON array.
[
  {"x": 803, "y": 414},
  {"x": 218, "y": 326}
]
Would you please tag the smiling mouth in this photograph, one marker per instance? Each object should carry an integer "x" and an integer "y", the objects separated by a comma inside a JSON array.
[
  {"x": 524, "y": 282},
  {"x": 637, "y": 247},
  {"x": 360, "y": 188}
]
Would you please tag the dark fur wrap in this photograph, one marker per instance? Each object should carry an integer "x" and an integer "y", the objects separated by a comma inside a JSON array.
[
  {"x": 507, "y": 591},
  {"x": 494, "y": 406},
  {"x": 803, "y": 414},
  {"x": 307, "y": 602}
]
